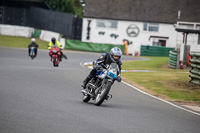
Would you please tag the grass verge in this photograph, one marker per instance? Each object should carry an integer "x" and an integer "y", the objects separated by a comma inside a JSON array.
[
  {"x": 161, "y": 81},
  {"x": 20, "y": 42}
]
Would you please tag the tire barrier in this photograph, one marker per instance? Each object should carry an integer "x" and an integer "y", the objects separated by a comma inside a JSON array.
[
  {"x": 172, "y": 59},
  {"x": 195, "y": 71}
]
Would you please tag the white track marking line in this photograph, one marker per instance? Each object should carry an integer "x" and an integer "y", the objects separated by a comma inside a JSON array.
[
  {"x": 82, "y": 64},
  {"x": 161, "y": 99}
]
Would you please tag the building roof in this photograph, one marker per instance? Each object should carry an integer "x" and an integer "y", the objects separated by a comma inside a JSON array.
[{"x": 162, "y": 11}]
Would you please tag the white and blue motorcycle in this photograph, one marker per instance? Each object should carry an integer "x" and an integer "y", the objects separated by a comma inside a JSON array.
[{"x": 98, "y": 88}]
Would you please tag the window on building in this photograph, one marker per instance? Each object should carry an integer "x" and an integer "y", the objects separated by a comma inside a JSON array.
[
  {"x": 151, "y": 27},
  {"x": 107, "y": 24},
  {"x": 157, "y": 42},
  {"x": 162, "y": 43}
]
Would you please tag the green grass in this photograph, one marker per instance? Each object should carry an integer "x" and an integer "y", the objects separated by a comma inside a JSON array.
[
  {"x": 20, "y": 42},
  {"x": 171, "y": 83},
  {"x": 154, "y": 63}
]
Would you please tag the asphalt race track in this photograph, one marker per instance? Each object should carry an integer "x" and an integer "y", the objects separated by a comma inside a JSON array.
[{"x": 36, "y": 97}]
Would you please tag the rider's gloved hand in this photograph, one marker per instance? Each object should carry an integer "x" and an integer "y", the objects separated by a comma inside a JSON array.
[
  {"x": 94, "y": 63},
  {"x": 98, "y": 67},
  {"x": 119, "y": 78}
]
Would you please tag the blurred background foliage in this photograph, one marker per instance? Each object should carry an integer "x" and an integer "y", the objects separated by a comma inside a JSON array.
[{"x": 68, "y": 6}]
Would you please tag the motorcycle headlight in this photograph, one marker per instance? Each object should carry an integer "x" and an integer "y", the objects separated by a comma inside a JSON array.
[{"x": 54, "y": 51}]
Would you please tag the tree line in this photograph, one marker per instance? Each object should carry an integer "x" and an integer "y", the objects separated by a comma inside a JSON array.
[{"x": 69, "y": 6}]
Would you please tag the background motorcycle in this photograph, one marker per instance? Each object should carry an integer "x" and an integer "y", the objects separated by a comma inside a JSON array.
[
  {"x": 98, "y": 88},
  {"x": 55, "y": 55}
]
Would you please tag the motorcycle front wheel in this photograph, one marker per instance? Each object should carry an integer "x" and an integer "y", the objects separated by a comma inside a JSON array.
[
  {"x": 32, "y": 55},
  {"x": 55, "y": 64},
  {"x": 86, "y": 98},
  {"x": 102, "y": 94}
]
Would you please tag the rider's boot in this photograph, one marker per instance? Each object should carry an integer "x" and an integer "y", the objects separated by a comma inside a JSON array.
[
  {"x": 108, "y": 97},
  {"x": 29, "y": 51},
  {"x": 87, "y": 79},
  {"x": 65, "y": 56}
]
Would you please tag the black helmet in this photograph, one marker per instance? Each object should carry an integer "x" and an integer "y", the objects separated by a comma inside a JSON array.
[{"x": 53, "y": 40}]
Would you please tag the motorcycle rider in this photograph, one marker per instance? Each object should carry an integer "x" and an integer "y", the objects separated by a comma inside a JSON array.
[
  {"x": 54, "y": 42},
  {"x": 106, "y": 59},
  {"x": 32, "y": 44}
]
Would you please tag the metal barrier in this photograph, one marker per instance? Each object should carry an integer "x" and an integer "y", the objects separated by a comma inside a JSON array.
[
  {"x": 195, "y": 64},
  {"x": 172, "y": 59}
]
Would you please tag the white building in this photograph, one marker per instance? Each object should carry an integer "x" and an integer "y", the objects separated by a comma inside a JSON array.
[{"x": 143, "y": 22}]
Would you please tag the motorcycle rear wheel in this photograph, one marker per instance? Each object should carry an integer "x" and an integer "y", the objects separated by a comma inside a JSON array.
[{"x": 102, "y": 94}]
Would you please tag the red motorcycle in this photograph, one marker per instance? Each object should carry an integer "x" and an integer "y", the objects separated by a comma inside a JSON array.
[{"x": 55, "y": 55}]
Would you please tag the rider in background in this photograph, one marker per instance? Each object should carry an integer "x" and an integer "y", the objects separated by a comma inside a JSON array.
[
  {"x": 32, "y": 44},
  {"x": 106, "y": 59},
  {"x": 54, "y": 42}
]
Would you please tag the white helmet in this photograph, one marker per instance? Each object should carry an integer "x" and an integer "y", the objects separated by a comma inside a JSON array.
[
  {"x": 115, "y": 51},
  {"x": 33, "y": 40}
]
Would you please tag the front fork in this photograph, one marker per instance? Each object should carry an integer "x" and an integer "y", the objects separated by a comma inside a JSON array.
[
  {"x": 53, "y": 56},
  {"x": 98, "y": 89}
]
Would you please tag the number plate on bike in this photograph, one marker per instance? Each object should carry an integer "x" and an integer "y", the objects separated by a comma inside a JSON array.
[
  {"x": 54, "y": 51},
  {"x": 112, "y": 75}
]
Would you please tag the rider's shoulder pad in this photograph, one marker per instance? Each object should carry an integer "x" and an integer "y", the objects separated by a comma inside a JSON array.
[{"x": 103, "y": 56}]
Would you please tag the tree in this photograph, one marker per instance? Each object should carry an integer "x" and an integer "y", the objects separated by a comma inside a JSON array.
[{"x": 69, "y": 6}]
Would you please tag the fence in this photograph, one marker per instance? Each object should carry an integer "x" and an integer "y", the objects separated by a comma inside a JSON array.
[
  {"x": 195, "y": 64},
  {"x": 155, "y": 51},
  {"x": 52, "y": 21},
  {"x": 64, "y": 23}
]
